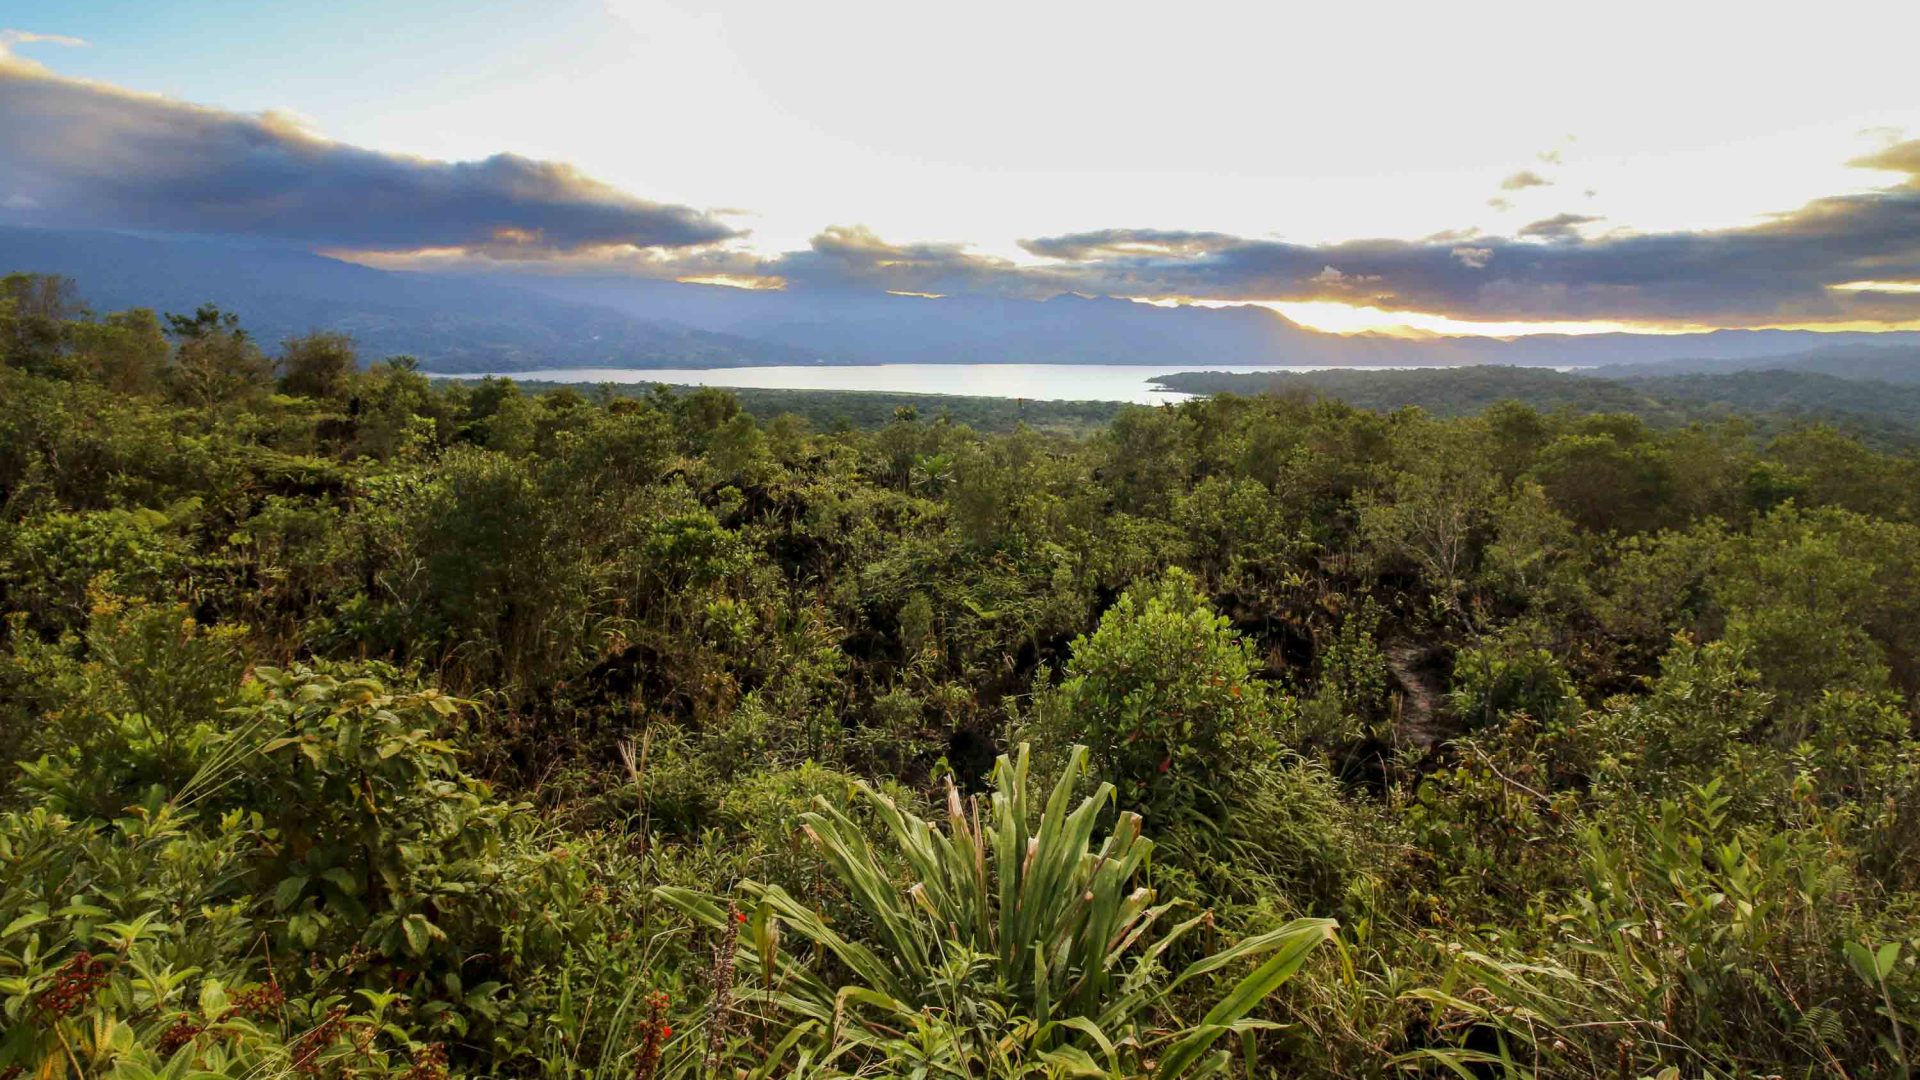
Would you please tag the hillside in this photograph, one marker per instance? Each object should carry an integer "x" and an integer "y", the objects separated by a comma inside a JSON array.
[
  {"x": 1885, "y": 414},
  {"x": 450, "y": 324},
  {"x": 360, "y": 724},
  {"x": 1886, "y": 363}
]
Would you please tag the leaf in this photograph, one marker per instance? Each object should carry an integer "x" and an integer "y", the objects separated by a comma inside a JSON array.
[
  {"x": 1291, "y": 944},
  {"x": 1884, "y": 960},
  {"x": 340, "y": 877},
  {"x": 213, "y": 999},
  {"x": 419, "y": 933},
  {"x": 30, "y": 919},
  {"x": 1073, "y": 1061}
]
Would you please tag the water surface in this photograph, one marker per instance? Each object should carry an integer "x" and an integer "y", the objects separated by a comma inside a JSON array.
[{"x": 1035, "y": 382}]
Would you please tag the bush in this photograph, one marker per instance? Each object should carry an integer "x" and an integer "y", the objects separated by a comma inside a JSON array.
[
  {"x": 1164, "y": 694},
  {"x": 1020, "y": 944}
]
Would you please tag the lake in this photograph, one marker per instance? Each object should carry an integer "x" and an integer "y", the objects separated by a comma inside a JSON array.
[{"x": 1035, "y": 382}]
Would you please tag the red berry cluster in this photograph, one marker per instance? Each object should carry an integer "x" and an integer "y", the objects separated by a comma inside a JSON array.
[
  {"x": 654, "y": 1032},
  {"x": 429, "y": 1063},
  {"x": 259, "y": 1003},
  {"x": 306, "y": 1049},
  {"x": 73, "y": 986},
  {"x": 182, "y": 1031}
]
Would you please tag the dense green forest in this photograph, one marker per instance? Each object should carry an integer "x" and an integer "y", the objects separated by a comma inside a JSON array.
[
  {"x": 365, "y": 726},
  {"x": 868, "y": 410},
  {"x": 1880, "y": 410}
]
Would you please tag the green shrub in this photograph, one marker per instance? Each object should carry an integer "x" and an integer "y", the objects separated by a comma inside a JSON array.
[
  {"x": 1164, "y": 694},
  {"x": 1019, "y": 943}
]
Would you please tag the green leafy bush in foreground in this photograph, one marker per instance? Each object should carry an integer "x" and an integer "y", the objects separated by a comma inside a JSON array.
[{"x": 1017, "y": 945}]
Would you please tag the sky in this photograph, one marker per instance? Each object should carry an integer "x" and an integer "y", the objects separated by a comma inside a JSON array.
[{"x": 1448, "y": 167}]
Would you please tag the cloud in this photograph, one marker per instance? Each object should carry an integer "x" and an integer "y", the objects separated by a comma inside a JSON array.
[
  {"x": 76, "y": 153},
  {"x": 1783, "y": 270},
  {"x": 1524, "y": 179},
  {"x": 1786, "y": 269},
  {"x": 1337, "y": 279},
  {"x": 10, "y": 37},
  {"x": 95, "y": 156},
  {"x": 1119, "y": 243},
  {"x": 1500, "y": 204},
  {"x": 1901, "y": 157},
  {"x": 1559, "y": 226},
  {"x": 851, "y": 255}
]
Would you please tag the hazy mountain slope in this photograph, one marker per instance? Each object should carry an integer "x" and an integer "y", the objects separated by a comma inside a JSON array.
[
  {"x": 877, "y": 327},
  {"x": 1885, "y": 362},
  {"x": 451, "y": 324}
]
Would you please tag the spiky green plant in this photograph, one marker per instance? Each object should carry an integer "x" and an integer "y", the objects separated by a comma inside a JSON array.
[{"x": 1007, "y": 940}]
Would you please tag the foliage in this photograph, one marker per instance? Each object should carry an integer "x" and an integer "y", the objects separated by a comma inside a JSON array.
[
  {"x": 356, "y": 724},
  {"x": 1163, "y": 692},
  {"x": 1019, "y": 944}
]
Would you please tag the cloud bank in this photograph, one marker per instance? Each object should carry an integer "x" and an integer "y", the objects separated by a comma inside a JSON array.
[
  {"x": 1786, "y": 270},
  {"x": 75, "y": 153}
]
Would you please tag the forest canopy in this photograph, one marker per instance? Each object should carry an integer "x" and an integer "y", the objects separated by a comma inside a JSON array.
[{"x": 361, "y": 725}]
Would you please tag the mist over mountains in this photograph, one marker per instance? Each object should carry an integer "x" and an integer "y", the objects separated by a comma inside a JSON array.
[{"x": 529, "y": 321}]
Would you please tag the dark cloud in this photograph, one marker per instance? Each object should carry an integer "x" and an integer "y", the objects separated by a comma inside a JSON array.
[
  {"x": 1782, "y": 270},
  {"x": 1558, "y": 227},
  {"x": 1119, "y": 243},
  {"x": 1525, "y": 178},
  {"x": 78, "y": 153},
  {"x": 74, "y": 153}
]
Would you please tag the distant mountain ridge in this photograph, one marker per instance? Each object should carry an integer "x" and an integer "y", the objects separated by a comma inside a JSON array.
[
  {"x": 525, "y": 321},
  {"x": 1887, "y": 363},
  {"x": 450, "y": 324},
  {"x": 881, "y": 328}
]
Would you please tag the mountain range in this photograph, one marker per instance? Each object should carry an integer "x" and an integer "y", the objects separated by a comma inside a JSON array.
[{"x": 526, "y": 321}]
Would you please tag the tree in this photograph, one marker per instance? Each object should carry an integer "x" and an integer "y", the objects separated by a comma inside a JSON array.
[
  {"x": 126, "y": 352},
  {"x": 214, "y": 360},
  {"x": 37, "y": 313},
  {"x": 318, "y": 365},
  {"x": 1163, "y": 693}
]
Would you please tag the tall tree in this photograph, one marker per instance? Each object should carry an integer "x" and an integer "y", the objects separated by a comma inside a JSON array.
[{"x": 318, "y": 365}]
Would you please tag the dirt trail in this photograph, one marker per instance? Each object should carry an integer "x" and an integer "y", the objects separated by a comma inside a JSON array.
[{"x": 1420, "y": 704}]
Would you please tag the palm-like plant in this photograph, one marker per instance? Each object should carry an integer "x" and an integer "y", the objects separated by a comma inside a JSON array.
[{"x": 1006, "y": 941}]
